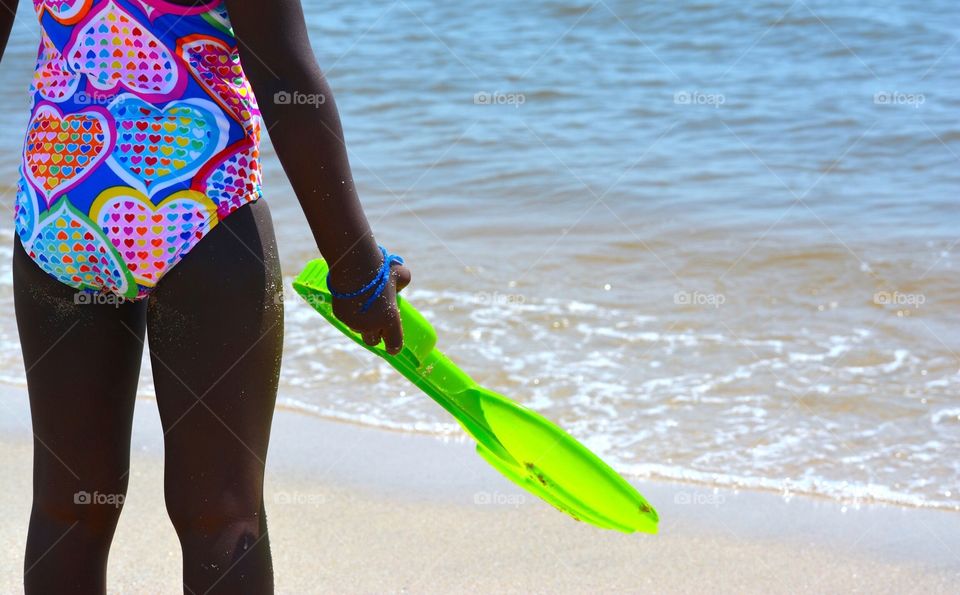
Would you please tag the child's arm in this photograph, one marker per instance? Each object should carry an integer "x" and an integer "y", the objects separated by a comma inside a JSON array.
[
  {"x": 8, "y": 10},
  {"x": 277, "y": 58}
]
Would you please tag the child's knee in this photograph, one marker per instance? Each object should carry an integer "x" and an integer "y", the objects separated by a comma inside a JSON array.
[
  {"x": 96, "y": 510},
  {"x": 209, "y": 514}
]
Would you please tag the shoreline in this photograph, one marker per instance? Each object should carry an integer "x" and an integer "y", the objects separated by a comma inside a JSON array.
[
  {"x": 354, "y": 508},
  {"x": 732, "y": 483},
  {"x": 735, "y": 484}
]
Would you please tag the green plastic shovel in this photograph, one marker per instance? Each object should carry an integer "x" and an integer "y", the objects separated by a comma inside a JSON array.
[{"x": 519, "y": 443}]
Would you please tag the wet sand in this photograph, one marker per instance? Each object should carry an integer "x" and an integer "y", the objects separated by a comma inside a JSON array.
[{"x": 354, "y": 509}]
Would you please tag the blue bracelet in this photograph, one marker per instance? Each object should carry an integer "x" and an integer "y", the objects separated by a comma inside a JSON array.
[{"x": 377, "y": 285}]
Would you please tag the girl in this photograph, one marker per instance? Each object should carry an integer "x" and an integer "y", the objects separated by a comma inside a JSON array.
[{"x": 138, "y": 211}]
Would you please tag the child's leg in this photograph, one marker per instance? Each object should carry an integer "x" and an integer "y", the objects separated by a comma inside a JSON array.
[
  {"x": 216, "y": 333},
  {"x": 82, "y": 363}
]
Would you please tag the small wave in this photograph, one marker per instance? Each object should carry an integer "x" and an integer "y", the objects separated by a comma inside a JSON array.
[
  {"x": 845, "y": 492},
  {"x": 371, "y": 421},
  {"x": 946, "y": 416},
  {"x": 900, "y": 356},
  {"x": 848, "y": 493}
]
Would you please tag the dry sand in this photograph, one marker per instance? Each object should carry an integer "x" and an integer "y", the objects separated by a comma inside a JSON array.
[{"x": 354, "y": 509}]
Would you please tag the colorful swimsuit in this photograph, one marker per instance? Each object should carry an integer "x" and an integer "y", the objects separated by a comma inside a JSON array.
[{"x": 144, "y": 134}]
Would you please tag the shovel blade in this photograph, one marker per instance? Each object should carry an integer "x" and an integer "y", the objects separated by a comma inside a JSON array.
[{"x": 550, "y": 463}]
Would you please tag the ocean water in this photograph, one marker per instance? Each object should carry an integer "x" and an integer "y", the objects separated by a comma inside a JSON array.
[{"x": 716, "y": 241}]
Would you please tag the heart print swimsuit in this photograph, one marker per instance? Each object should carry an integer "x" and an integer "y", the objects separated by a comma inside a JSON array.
[{"x": 144, "y": 134}]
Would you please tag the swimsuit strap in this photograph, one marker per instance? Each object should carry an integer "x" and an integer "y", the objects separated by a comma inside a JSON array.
[{"x": 182, "y": 9}]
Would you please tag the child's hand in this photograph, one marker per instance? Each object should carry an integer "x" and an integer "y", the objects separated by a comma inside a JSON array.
[{"x": 382, "y": 319}]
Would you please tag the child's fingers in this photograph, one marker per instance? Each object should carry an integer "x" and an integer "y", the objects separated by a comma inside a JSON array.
[
  {"x": 402, "y": 276},
  {"x": 371, "y": 338},
  {"x": 393, "y": 337}
]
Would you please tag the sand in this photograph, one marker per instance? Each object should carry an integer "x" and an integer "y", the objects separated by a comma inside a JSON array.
[{"x": 355, "y": 509}]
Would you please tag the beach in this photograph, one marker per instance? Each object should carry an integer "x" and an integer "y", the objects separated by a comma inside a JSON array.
[
  {"x": 715, "y": 242},
  {"x": 360, "y": 510}
]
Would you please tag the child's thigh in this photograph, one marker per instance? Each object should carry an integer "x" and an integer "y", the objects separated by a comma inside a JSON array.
[
  {"x": 215, "y": 327},
  {"x": 82, "y": 361}
]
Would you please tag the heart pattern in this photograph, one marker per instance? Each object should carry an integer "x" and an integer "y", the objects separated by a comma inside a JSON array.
[
  {"x": 115, "y": 51},
  {"x": 25, "y": 210},
  {"x": 60, "y": 151},
  {"x": 236, "y": 180},
  {"x": 216, "y": 66},
  {"x": 65, "y": 12},
  {"x": 71, "y": 248},
  {"x": 157, "y": 148},
  {"x": 149, "y": 237},
  {"x": 52, "y": 79}
]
